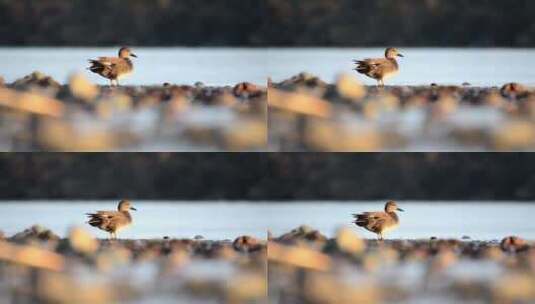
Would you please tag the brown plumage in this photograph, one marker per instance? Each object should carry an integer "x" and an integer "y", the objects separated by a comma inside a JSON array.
[
  {"x": 380, "y": 68},
  {"x": 114, "y": 68},
  {"x": 379, "y": 222},
  {"x": 112, "y": 221}
]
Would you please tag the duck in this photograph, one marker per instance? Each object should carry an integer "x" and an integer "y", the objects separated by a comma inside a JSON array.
[
  {"x": 112, "y": 221},
  {"x": 379, "y": 222},
  {"x": 380, "y": 68},
  {"x": 114, "y": 68}
]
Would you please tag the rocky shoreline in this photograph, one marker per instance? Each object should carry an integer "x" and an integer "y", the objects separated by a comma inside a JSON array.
[
  {"x": 39, "y": 114},
  {"x": 38, "y": 266},
  {"x": 309, "y": 114},
  {"x": 306, "y": 266}
]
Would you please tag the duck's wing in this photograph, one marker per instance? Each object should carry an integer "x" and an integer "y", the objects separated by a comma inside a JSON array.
[
  {"x": 370, "y": 220},
  {"x": 109, "y": 60},
  {"x": 372, "y": 66},
  {"x": 104, "y": 66},
  {"x": 103, "y": 219}
]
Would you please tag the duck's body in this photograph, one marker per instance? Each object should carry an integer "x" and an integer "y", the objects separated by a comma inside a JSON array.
[
  {"x": 379, "y": 222},
  {"x": 380, "y": 69},
  {"x": 112, "y": 221},
  {"x": 114, "y": 68}
]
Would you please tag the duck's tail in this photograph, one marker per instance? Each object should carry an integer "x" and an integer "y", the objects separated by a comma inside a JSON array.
[
  {"x": 96, "y": 67},
  {"x": 362, "y": 66},
  {"x": 360, "y": 220}
]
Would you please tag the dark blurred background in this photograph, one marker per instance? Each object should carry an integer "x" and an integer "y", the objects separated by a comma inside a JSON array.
[
  {"x": 269, "y": 176},
  {"x": 268, "y": 22}
]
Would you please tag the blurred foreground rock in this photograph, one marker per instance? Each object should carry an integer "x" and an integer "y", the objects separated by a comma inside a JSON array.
[
  {"x": 308, "y": 114},
  {"x": 349, "y": 269},
  {"x": 38, "y": 113},
  {"x": 36, "y": 267}
]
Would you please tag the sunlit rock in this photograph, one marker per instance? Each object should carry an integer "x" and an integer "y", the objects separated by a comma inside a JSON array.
[
  {"x": 349, "y": 87},
  {"x": 81, "y": 88}
]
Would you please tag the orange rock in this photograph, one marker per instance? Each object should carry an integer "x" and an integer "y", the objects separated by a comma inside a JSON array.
[
  {"x": 513, "y": 244},
  {"x": 246, "y": 88},
  {"x": 246, "y": 244},
  {"x": 513, "y": 90}
]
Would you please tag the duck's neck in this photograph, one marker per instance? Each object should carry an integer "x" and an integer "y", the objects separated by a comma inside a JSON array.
[
  {"x": 129, "y": 62},
  {"x": 394, "y": 61},
  {"x": 393, "y": 215},
  {"x": 127, "y": 214}
]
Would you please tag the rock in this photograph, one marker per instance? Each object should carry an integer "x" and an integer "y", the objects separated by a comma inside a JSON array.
[
  {"x": 299, "y": 256},
  {"x": 247, "y": 288},
  {"x": 304, "y": 79},
  {"x": 36, "y": 232},
  {"x": 513, "y": 90},
  {"x": 246, "y": 244},
  {"x": 513, "y": 244},
  {"x": 38, "y": 79},
  {"x": 113, "y": 256},
  {"x": 246, "y": 89},
  {"x": 2, "y": 81},
  {"x": 514, "y": 135},
  {"x": 82, "y": 88},
  {"x": 514, "y": 288},
  {"x": 305, "y": 233},
  {"x": 349, "y": 87},
  {"x": 349, "y": 242},
  {"x": 82, "y": 242}
]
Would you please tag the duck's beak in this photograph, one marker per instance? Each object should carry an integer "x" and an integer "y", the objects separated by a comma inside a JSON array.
[
  {"x": 399, "y": 209},
  {"x": 133, "y": 55},
  {"x": 400, "y": 55},
  {"x": 132, "y": 208}
]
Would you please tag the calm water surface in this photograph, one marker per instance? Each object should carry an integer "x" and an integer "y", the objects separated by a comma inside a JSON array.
[
  {"x": 226, "y": 220},
  {"x": 212, "y": 220},
  {"x": 212, "y": 66},
  {"x": 478, "y": 220},
  {"x": 420, "y": 66},
  {"x": 227, "y": 66}
]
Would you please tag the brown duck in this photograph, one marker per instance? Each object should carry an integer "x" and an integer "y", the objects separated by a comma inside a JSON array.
[
  {"x": 114, "y": 68},
  {"x": 112, "y": 221},
  {"x": 380, "y": 68},
  {"x": 379, "y": 222}
]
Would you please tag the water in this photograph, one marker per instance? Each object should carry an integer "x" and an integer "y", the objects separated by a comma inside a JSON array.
[
  {"x": 420, "y": 66},
  {"x": 478, "y": 220},
  {"x": 227, "y": 66},
  {"x": 226, "y": 220},
  {"x": 212, "y": 66},
  {"x": 212, "y": 220}
]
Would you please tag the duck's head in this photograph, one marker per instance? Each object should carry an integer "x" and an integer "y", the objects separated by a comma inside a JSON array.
[
  {"x": 392, "y": 206},
  {"x": 125, "y": 205},
  {"x": 392, "y": 53},
  {"x": 125, "y": 52}
]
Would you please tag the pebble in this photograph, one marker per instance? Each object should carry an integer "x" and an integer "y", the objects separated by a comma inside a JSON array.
[{"x": 513, "y": 244}]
